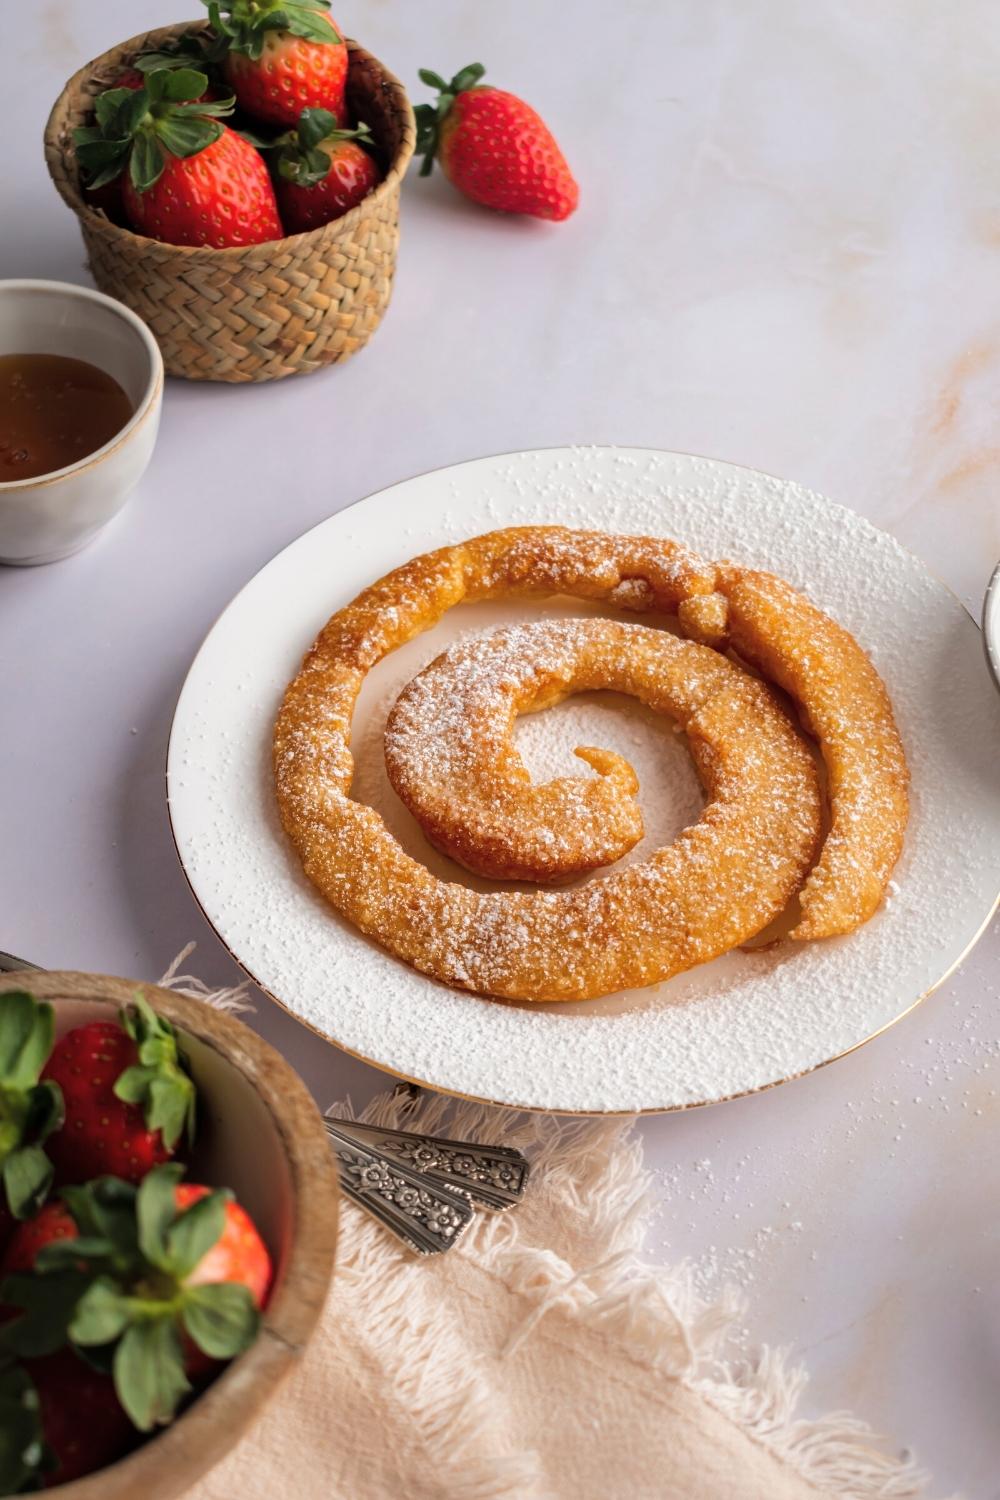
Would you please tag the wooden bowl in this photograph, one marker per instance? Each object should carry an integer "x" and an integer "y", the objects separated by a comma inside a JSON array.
[{"x": 260, "y": 1133}]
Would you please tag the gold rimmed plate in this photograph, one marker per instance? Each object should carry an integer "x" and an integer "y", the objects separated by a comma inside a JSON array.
[{"x": 742, "y": 1023}]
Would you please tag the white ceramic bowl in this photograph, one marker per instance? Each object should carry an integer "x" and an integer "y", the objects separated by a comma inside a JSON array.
[
  {"x": 44, "y": 519},
  {"x": 991, "y": 625}
]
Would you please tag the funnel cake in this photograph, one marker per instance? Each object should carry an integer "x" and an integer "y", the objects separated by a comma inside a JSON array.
[{"x": 720, "y": 882}]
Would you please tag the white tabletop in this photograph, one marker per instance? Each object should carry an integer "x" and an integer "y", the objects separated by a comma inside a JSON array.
[{"x": 788, "y": 255}]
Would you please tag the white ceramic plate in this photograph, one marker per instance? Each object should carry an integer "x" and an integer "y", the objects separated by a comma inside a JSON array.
[{"x": 742, "y": 1023}]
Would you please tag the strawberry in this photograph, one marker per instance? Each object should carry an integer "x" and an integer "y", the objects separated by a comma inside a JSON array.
[
  {"x": 61, "y": 1420},
  {"x": 52, "y": 1223},
  {"x": 493, "y": 147},
  {"x": 29, "y": 1110},
  {"x": 190, "y": 179},
  {"x": 321, "y": 172},
  {"x": 187, "y": 52},
  {"x": 128, "y": 1097},
  {"x": 283, "y": 56},
  {"x": 156, "y": 1283},
  {"x": 76, "y": 1421}
]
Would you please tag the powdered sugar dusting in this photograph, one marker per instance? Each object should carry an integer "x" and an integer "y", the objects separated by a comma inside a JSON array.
[{"x": 759, "y": 1017}]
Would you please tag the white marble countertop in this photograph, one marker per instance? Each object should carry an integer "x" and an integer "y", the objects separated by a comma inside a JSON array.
[{"x": 788, "y": 255}]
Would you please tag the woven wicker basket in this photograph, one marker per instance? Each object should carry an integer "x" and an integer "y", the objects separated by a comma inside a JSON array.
[{"x": 258, "y": 312}]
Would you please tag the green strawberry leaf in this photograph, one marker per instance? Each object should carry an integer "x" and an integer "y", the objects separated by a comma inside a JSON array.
[
  {"x": 221, "y": 1318},
  {"x": 146, "y": 162},
  {"x": 108, "y": 107},
  {"x": 188, "y": 51},
  {"x": 134, "y": 110},
  {"x": 219, "y": 23},
  {"x": 433, "y": 80},
  {"x": 104, "y": 1210},
  {"x": 102, "y": 161},
  {"x": 210, "y": 108},
  {"x": 29, "y": 1110},
  {"x": 186, "y": 137},
  {"x": 149, "y": 1373},
  {"x": 27, "y": 1030},
  {"x": 46, "y": 1110},
  {"x": 156, "y": 1211},
  {"x": 310, "y": 26},
  {"x": 195, "y": 1231},
  {"x": 170, "y": 1099},
  {"x": 101, "y": 1314},
  {"x": 314, "y": 126},
  {"x": 46, "y": 1304},
  {"x": 24, "y": 1458},
  {"x": 180, "y": 84},
  {"x": 90, "y": 1251},
  {"x": 27, "y": 1177},
  {"x": 466, "y": 78}
]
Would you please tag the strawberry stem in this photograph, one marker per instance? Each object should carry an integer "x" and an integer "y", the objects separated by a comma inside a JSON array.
[{"x": 430, "y": 117}]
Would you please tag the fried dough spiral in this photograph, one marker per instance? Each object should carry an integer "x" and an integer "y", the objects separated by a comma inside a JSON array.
[{"x": 722, "y": 880}]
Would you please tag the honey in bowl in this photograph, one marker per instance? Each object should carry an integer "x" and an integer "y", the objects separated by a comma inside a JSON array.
[{"x": 53, "y": 412}]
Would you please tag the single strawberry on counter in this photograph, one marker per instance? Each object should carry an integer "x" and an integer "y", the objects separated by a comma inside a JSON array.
[
  {"x": 321, "y": 172},
  {"x": 493, "y": 147},
  {"x": 283, "y": 56},
  {"x": 128, "y": 1097},
  {"x": 187, "y": 179},
  {"x": 155, "y": 1284},
  {"x": 30, "y": 1109}
]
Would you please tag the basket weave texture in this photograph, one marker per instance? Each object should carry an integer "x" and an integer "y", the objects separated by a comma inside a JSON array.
[{"x": 255, "y": 312}]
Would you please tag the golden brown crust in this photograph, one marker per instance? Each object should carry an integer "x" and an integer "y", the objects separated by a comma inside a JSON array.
[
  {"x": 722, "y": 880},
  {"x": 843, "y": 703}
]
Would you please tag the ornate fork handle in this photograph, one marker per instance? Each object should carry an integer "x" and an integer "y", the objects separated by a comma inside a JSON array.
[
  {"x": 494, "y": 1177},
  {"x": 427, "y": 1217}
]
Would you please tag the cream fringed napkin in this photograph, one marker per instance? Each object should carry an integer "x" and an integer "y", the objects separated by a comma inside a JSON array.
[{"x": 540, "y": 1358}]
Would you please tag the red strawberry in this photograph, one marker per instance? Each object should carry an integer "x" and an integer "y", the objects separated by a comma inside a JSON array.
[
  {"x": 170, "y": 1276},
  {"x": 284, "y": 56},
  {"x": 29, "y": 1110},
  {"x": 190, "y": 179},
  {"x": 239, "y": 1254},
  {"x": 128, "y": 1097},
  {"x": 76, "y": 1414},
  {"x": 322, "y": 172},
  {"x": 52, "y": 1223},
  {"x": 83, "y": 1424},
  {"x": 494, "y": 148},
  {"x": 223, "y": 196}
]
